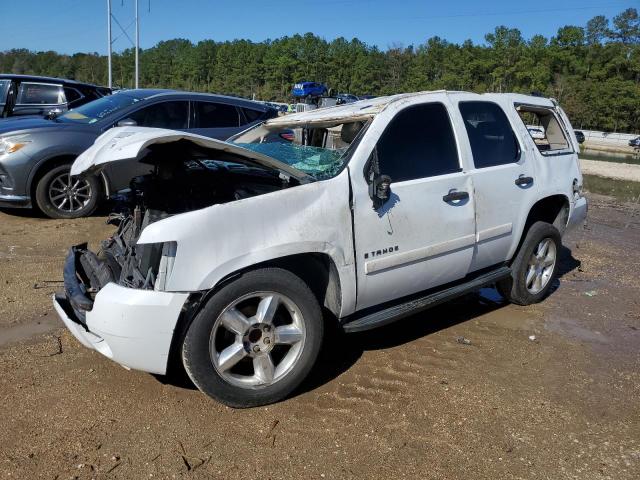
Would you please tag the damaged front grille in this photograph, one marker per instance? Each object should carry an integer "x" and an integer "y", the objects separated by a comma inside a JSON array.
[
  {"x": 84, "y": 275},
  {"x": 133, "y": 265},
  {"x": 119, "y": 260}
]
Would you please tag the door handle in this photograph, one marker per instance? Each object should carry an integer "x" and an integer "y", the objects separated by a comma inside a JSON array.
[
  {"x": 524, "y": 181},
  {"x": 455, "y": 195}
]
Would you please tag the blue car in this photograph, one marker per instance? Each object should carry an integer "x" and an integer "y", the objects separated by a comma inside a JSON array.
[{"x": 309, "y": 89}]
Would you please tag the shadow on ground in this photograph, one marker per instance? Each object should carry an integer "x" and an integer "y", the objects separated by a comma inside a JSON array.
[
  {"x": 103, "y": 209},
  {"x": 22, "y": 212},
  {"x": 342, "y": 350}
]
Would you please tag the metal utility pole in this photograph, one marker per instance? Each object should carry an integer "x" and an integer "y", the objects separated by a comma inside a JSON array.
[
  {"x": 109, "y": 40},
  {"x": 137, "y": 43}
]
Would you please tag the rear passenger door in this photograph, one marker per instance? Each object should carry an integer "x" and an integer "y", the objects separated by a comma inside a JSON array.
[
  {"x": 424, "y": 235},
  {"x": 503, "y": 179}
]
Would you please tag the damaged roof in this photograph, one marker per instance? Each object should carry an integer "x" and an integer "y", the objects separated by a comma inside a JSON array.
[
  {"x": 363, "y": 110},
  {"x": 357, "y": 111}
]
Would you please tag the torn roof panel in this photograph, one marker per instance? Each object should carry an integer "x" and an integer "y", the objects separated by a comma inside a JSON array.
[
  {"x": 350, "y": 112},
  {"x": 365, "y": 109},
  {"x": 361, "y": 110}
]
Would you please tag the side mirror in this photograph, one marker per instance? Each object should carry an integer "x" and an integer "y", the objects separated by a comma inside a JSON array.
[
  {"x": 379, "y": 185},
  {"x": 127, "y": 122},
  {"x": 380, "y": 190},
  {"x": 53, "y": 113}
]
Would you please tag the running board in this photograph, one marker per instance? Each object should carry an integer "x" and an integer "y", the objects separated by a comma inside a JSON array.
[{"x": 396, "y": 312}]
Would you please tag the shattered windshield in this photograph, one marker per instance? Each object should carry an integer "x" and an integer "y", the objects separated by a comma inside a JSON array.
[{"x": 320, "y": 152}]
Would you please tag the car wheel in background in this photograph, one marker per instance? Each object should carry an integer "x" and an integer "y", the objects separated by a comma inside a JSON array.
[
  {"x": 58, "y": 195},
  {"x": 534, "y": 267},
  {"x": 255, "y": 340}
]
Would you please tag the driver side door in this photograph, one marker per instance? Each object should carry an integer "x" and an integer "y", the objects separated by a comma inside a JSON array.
[{"x": 424, "y": 235}]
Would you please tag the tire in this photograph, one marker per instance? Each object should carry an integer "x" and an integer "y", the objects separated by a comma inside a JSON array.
[
  {"x": 522, "y": 287},
  {"x": 244, "y": 378},
  {"x": 53, "y": 183}
]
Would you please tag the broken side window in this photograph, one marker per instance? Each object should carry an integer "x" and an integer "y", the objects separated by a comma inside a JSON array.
[{"x": 544, "y": 128}]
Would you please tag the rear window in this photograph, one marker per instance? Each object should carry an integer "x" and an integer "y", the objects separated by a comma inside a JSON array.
[
  {"x": 40, "y": 94},
  {"x": 544, "y": 128},
  {"x": 490, "y": 135}
]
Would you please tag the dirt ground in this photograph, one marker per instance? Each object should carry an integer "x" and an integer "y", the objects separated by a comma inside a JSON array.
[{"x": 549, "y": 391}]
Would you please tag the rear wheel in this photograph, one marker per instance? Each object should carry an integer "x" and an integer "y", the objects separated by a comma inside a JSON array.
[
  {"x": 535, "y": 266},
  {"x": 255, "y": 340},
  {"x": 58, "y": 195}
]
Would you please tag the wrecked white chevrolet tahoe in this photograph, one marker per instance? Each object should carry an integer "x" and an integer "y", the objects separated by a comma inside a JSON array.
[{"x": 229, "y": 257}]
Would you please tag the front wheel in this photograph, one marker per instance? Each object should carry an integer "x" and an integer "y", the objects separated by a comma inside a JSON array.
[
  {"x": 255, "y": 340},
  {"x": 534, "y": 267},
  {"x": 59, "y": 195}
]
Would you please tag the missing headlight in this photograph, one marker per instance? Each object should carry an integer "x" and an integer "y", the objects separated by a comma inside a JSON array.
[{"x": 166, "y": 265}]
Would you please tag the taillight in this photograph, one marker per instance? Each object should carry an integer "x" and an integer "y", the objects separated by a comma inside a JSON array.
[{"x": 577, "y": 189}]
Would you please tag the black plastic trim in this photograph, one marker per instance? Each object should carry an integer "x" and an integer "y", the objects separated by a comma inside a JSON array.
[
  {"x": 369, "y": 320},
  {"x": 72, "y": 286}
]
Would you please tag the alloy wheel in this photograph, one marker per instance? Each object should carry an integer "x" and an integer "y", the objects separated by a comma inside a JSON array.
[
  {"x": 541, "y": 265},
  {"x": 257, "y": 339},
  {"x": 69, "y": 194}
]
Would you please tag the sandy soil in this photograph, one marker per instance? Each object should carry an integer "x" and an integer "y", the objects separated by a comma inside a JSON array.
[
  {"x": 32, "y": 250},
  {"x": 543, "y": 392},
  {"x": 618, "y": 171}
]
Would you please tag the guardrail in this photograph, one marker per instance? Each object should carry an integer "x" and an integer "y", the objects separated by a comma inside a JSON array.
[{"x": 605, "y": 139}]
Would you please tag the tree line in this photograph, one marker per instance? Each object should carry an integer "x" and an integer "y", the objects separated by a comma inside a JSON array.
[{"x": 593, "y": 70}]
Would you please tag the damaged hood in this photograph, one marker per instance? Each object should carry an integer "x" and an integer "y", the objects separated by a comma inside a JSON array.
[{"x": 129, "y": 143}]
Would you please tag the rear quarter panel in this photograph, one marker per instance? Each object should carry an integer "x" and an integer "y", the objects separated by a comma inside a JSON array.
[{"x": 554, "y": 173}]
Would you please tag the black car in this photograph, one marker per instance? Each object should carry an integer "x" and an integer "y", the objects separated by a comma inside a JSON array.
[
  {"x": 579, "y": 136},
  {"x": 634, "y": 142},
  {"x": 30, "y": 95},
  {"x": 36, "y": 153}
]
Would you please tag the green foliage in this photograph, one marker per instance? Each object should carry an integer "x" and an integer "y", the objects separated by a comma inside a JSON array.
[{"x": 594, "y": 71}]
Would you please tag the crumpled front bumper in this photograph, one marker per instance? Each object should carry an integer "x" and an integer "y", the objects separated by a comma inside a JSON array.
[{"x": 132, "y": 327}]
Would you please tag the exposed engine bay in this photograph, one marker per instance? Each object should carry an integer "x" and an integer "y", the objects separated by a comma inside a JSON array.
[{"x": 183, "y": 177}]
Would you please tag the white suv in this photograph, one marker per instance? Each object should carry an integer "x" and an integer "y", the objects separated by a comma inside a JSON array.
[{"x": 229, "y": 257}]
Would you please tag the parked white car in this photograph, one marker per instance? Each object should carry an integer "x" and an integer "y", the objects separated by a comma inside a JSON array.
[
  {"x": 231, "y": 256},
  {"x": 536, "y": 132}
]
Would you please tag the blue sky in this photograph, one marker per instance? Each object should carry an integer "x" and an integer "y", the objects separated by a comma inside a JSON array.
[{"x": 70, "y": 26}]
